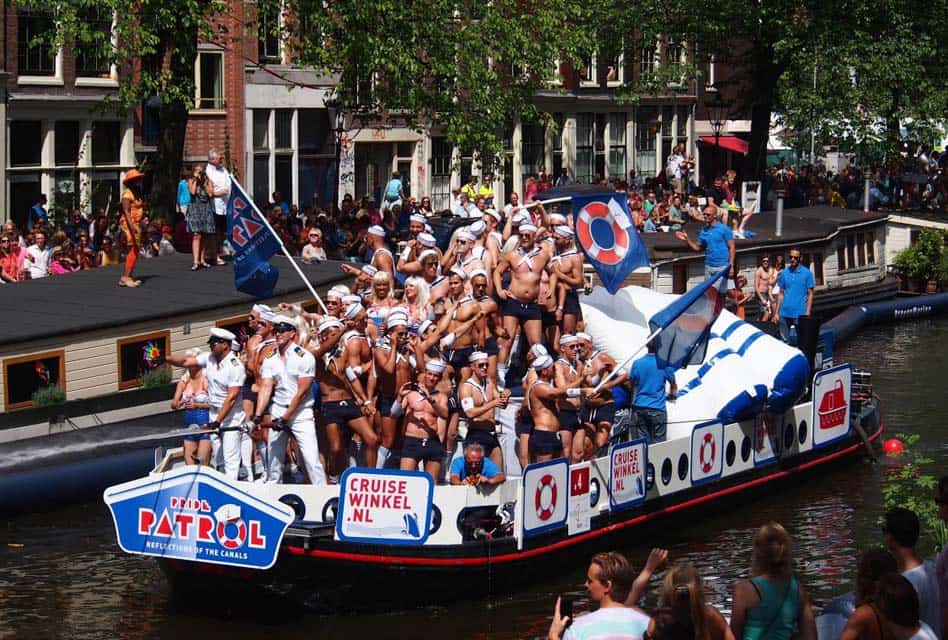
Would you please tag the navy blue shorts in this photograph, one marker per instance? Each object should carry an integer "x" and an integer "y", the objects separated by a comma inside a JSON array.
[
  {"x": 247, "y": 392},
  {"x": 491, "y": 347},
  {"x": 522, "y": 311},
  {"x": 569, "y": 420},
  {"x": 484, "y": 438},
  {"x": 457, "y": 358},
  {"x": 604, "y": 413},
  {"x": 340, "y": 412},
  {"x": 545, "y": 442},
  {"x": 384, "y": 405},
  {"x": 422, "y": 449},
  {"x": 571, "y": 304},
  {"x": 524, "y": 426}
]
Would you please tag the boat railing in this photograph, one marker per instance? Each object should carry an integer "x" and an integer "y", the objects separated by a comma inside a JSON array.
[{"x": 861, "y": 387}]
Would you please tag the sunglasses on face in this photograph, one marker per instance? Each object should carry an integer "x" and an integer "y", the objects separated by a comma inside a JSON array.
[
  {"x": 480, "y": 365},
  {"x": 215, "y": 341},
  {"x": 282, "y": 328}
]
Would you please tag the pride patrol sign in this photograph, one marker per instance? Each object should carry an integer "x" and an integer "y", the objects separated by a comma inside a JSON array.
[{"x": 194, "y": 513}]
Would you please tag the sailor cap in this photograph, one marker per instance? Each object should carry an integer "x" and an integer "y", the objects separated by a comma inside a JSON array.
[
  {"x": 478, "y": 272},
  {"x": 424, "y": 326},
  {"x": 568, "y": 338},
  {"x": 435, "y": 366},
  {"x": 563, "y": 231},
  {"x": 369, "y": 270},
  {"x": 351, "y": 298},
  {"x": 459, "y": 272},
  {"x": 478, "y": 228},
  {"x": 476, "y": 356},
  {"x": 353, "y": 310},
  {"x": 427, "y": 240},
  {"x": 521, "y": 217},
  {"x": 543, "y": 362},
  {"x": 338, "y": 291},
  {"x": 222, "y": 334},
  {"x": 582, "y": 335},
  {"x": 260, "y": 308},
  {"x": 466, "y": 234},
  {"x": 538, "y": 350},
  {"x": 528, "y": 228},
  {"x": 557, "y": 218},
  {"x": 428, "y": 229},
  {"x": 266, "y": 315},
  {"x": 493, "y": 213},
  {"x": 329, "y": 323},
  {"x": 376, "y": 230},
  {"x": 427, "y": 252},
  {"x": 396, "y": 320},
  {"x": 417, "y": 217}
]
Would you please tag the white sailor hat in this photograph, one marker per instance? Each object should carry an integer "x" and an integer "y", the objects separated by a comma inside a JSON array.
[
  {"x": 396, "y": 320},
  {"x": 428, "y": 229},
  {"x": 521, "y": 217},
  {"x": 528, "y": 227},
  {"x": 329, "y": 323},
  {"x": 582, "y": 335},
  {"x": 351, "y": 298},
  {"x": 338, "y": 291},
  {"x": 376, "y": 230},
  {"x": 568, "y": 338},
  {"x": 353, "y": 310},
  {"x": 417, "y": 217},
  {"x": 478, "y": 228},
  {"x": 543, "y": 362},
  {"x": 221, "y": 335},
  {"x": 466, "y": 234},
  {"x": 435, "y": 366},
  {"x": 266, "y": 315},
  {"x": 260, "y": 308},
  {"x": 234, "y": 345},
  {"x": 459, "y": 272},
  {"x": 476, "y": 356},
  {"x": 538, "y": 350},
  {"x": 284, "y": 320},
  {"x": 427, "y": 240},
  {"x": 478, "y": 272},
  {"x": 563, "y": 231},
  {"x": 427, "y": 252},
  {"x": 424, "y": 326},
  {"x": 369, "y": 270},
  {"x": 496, "y": 215},
  {"x": 557, "y": 218}
]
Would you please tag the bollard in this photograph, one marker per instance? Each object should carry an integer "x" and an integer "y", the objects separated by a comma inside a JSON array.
[
  {"x": 867, "y": 175},
  {"x": 781, "y": 193}
]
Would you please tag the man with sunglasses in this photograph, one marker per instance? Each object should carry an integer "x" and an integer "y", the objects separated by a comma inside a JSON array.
[
  {"x": 478, "y": 399},
  {"x": 796, "y": 294},
  {"x": 286, "y": 381},
  {"x": 225, "y": 377},
  {"x": 567, "y": 374}
]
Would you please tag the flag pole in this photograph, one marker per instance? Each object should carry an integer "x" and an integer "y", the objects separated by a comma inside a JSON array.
[
  {"x": 546, "y": 202},
  {"x": 626, "y": 362},
  {"x": 279, "y": 240}
]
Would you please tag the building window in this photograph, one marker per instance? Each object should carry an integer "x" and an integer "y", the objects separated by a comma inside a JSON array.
[
  {"x": 557, "y": 136},
  {"x": 532, "y": 148},
  {"x": 26, "y": 143},
  {"x": 317, "y": 157},
  {"x": 585, "y": 138},
  {"x": 25, "y": 375},
  {"x": 67, "y": 139},
  {"x": 35, "y": 55},
  {"x": 141, "y": 356},
  {"x": 587, "y": 70},
  {"x": 94, "y": 45},
  {"x": 617, "y": 145},
  {"x": 283, "y": 174},
  {"x": 646, "y": 126},
  {"x": 841, "y": 256},
  {"x": 871, "y": 248},
  {"x": 269, "y": 50},
  {"x": 861, "y": 249},
  {"x": 646, "y": 61},
  {"x": 261, "y": 129},
  {"x": 210, "y": 80},
  {"x": 440, "y": 174},
  {"x": 818, "y": 269},
  {"x": 851, "y": 253},
  {"x": 283, "y": 129},
  {"x": 106, "y": 142},
  {"x": 615, "y": 70}
]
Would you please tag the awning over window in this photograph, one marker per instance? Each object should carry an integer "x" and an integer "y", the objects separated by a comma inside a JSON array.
[{"x": 731, "y": 143}]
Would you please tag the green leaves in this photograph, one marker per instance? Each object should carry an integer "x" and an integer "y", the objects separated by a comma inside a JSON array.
[{"x": 905, "y": 485}]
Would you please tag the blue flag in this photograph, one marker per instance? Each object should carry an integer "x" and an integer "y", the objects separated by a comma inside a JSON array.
[
  {"x": 253, "y": 244},
  {"x": 686, "y": 323},
  {"x": 607, "y": 235}
]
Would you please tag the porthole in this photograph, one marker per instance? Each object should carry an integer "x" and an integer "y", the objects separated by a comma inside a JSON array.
[
  {"x": 683, "y": 466},
  {"x": 666, "y": 471},
  {"x": 435, "y": 519},
  {"x": 788, "y": 433},
  {"x": 295, "y": 503},
  {"x": 745, "y": 449},
  {"x": 729, "y": 453},
  {"x": 330, "y": 509},
  {"x": 803, "y": 432},
  {"x": 650, "y": 476}
]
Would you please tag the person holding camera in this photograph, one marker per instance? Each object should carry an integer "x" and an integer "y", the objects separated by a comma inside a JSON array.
[
  {"x": 474, "y": 469},
  {"x": 394, "y": 368},
  {"x": 423, "y": 404},
  {"x": 478, "y": 398}
]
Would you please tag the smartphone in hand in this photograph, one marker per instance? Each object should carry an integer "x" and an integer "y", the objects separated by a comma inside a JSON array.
[{"x": 566, "y": 608}]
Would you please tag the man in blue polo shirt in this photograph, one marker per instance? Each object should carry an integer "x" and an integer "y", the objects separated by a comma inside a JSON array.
[
  {"x": 648, "y": 404},
  {"x": 474, "y": 469},
  {"x": 716, "y": 240},
  {"x": 796, "y": 294}
]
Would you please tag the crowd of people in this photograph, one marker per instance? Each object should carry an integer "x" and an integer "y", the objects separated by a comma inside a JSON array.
[{"x": 898, "y": 595}]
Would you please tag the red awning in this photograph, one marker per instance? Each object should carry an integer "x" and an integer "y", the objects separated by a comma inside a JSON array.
[{"x": 731, "y": 143}]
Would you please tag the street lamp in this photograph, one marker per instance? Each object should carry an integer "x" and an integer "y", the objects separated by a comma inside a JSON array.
[
  {"x": 717, "y": 118},
  {"x": 337, "y": 118}
]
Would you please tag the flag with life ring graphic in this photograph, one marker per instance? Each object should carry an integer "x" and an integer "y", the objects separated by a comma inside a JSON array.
[{"x": 607, "y": 235}]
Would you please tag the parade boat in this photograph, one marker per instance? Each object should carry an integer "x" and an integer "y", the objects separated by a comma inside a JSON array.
[{"x": 750, "y": 416}]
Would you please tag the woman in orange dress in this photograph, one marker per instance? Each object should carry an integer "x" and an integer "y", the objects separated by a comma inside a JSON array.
[{"x": 133, "y": 208}]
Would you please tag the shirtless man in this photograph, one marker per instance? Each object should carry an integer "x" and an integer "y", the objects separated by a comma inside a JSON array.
[
  {"x": 430, "y": 260},
  {"x": 464, "y": 252},
  {"x": 763, "y": 286},
  {"x": 489, "y": 327},
  {"x": 394, "y": 367},
  {"x": 408, "y": 262},
  {"x": 567, "y": 374},
  {"x": 600, "y": 411},
  {"x": 425, "y": 408},
  {"x": 340, "y": 403},
  {"x": 494, "y": 240},
  {"x": 459, "y": 310},
  {"x": 568, "y": 266},
  {"x": 478, "y": 400},
  {"x": 520, "y": 301},
  {"x": 541, "y": 401},
  {"x": 523, "y": 424}
]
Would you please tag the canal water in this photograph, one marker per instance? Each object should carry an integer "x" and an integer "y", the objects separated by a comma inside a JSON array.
[{"x": 62, "y": 575}]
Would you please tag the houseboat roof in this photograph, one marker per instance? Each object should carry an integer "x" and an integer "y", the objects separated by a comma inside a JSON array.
[
  {"x": 800, "y": 226},
  {"x": 91, "y": 300}
]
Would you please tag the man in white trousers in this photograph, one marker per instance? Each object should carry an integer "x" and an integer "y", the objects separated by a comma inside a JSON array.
[
  {"x": 286, "y": 394},
  {"x": 225, "y": 376}
]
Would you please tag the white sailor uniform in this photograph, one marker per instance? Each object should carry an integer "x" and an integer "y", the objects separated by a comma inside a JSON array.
[{"x": 222, "y": 376}]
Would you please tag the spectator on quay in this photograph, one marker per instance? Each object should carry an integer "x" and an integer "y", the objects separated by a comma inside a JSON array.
[
  {"x": 200, "y": 215},
  {"x": 735, "y": 299},
  {"x": 107, "y": 254},
  {"x": 764, "y": 278},
  {"x": 38, "y": 256},
  {"x": 650, "y": 201},
  {"x": 100, "y": 229},
  {"x": 184, "y": 190},
  {"x": 10, "y": 229},
  {"x": 795, "y": 298},
  {"x": 220, "y": 183},
  {"x": 470, "y": 188},
  {"x": 897, "y": 603},
  {"x": 564, "y": 179},
  {"x": 131, "y": 223},
  {"x": 683, "y": 595},
  {"x": 425, "y": 207},
  {"x": 772, "y": 604},
  {"x": 62, "y": 261},
  {"x": 609, "y": 579},
  {"x": 278, "y": 201},
  {"x": 85, "y": 256},
  {"x": 166, "y": 243},
  {"x": 648, "y": 404},
  {"x": 673, "y": 168},
  {"x": 12, "y": 256},
  {"x": 38, "y": 215},
  {"x": 901, "y": 531},
  {"x": 75, "y": 224},
  {"x": 715, "y": 239},
  {"x": 486, "y": 190},
  {"x": 530, "y": 189},
  {"x": 313, "y": 250},
  {"x": 863, "y": 621},
  {"x": 464, "y": 208},
  {"x": 393, "y": 193},
  {"x": 941, "y": 564}
]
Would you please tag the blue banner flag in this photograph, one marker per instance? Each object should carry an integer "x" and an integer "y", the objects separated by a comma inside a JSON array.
[
  {"x": 686, "y": 323},
  {"x": 607, "y": 235},
  {"x": 253, "y": 243}
]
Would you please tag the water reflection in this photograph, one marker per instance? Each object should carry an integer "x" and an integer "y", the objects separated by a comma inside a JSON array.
[{"x": 69, "y": 580}]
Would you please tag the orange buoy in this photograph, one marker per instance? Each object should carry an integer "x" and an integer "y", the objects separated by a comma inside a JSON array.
[{"x": 893, "y": 447}]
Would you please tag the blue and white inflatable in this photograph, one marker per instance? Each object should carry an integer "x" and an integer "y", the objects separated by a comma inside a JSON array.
[{"x": 744, "y": 369}]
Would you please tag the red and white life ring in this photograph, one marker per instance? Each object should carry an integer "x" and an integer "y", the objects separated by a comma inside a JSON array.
[
  {"x": 545, "y": 497},
  {"x": 612, "y": 254},
  {"x": 229, "y": 542},
  {"x": 706, "y": 466}
]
